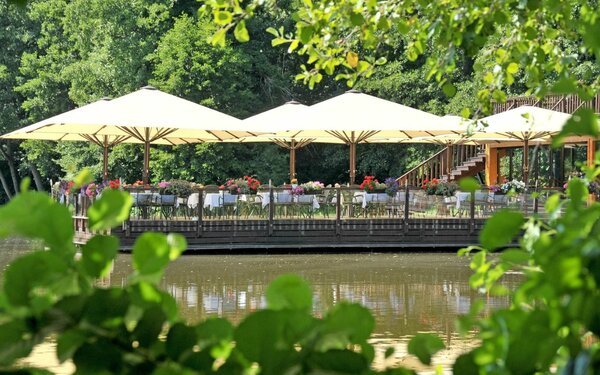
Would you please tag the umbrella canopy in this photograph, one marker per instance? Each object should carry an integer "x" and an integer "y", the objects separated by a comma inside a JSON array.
[
  {"x": 353, "y": 118},
  {"x": 148, "y": 116},
  {"x": 525, "y": 124},
  {"x": 275, "y": 123},
  {"x": 79, "y": 115}
]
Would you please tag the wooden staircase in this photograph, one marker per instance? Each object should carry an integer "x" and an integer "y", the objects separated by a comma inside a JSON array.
[{"x": 450, "y": 164}]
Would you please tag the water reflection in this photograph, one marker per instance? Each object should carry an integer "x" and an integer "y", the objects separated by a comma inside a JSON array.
[{"x": 407, "y": 293}]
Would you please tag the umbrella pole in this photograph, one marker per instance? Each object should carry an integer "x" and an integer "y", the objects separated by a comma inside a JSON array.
[
  {"x": 105, "y": 157},
  {"x": 448, "y": 160},
  {"x": 146, "y": 172},
  {"x": 105, "y": 162},
  {"x": 526, "y": 162},
  {"x": 292, "y": 160},
  {"x": 352, "y": 163}
]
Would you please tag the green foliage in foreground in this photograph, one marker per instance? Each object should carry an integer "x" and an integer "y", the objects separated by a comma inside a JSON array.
[
  {"x": 553, "y": 324},
  {"x": 136, "y": 329}
]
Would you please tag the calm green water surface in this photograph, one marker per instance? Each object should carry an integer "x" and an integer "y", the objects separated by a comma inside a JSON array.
[{"x": 406, "y": 292}]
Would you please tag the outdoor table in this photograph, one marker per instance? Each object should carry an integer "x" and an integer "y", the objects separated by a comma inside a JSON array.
[
  {"x": 212, "y": 200},
  {"x": 370, "y": 197}
]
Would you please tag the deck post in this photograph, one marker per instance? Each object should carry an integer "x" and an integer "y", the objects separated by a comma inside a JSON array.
[
  {"x": 472, "y": 214},
  {"x": 271, "y": 209},
  {"x": 406, "y": 206},
  {"x": 338, "y": 211},
  {"x": 199, "y": 210}
]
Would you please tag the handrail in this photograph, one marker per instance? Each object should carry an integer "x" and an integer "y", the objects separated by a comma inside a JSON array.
[
  {"x": 402, "y": 178},
  {"x": 561, "y": 103},
  {"x": 439, "y": 164}
]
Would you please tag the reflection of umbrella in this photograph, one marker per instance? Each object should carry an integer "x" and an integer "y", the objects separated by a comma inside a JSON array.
[
  {"x": 353, "y": 118},
  {"x": 291, "y": 115},
  {"x": 152, "y": 116},
  {"x": 525, "y": 124},
  {"x": 76, "y": 116}
]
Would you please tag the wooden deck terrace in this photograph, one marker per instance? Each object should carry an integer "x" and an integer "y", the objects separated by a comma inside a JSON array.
[{"x": 406, "y": 222}]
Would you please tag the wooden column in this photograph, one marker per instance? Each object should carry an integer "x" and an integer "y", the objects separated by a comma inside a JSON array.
[
  {"x": 491, "y": 165},
  {"x": 591, "y": 151},
  {"x": 448, "y": 160},
  {"x": 352, "y": 163}
]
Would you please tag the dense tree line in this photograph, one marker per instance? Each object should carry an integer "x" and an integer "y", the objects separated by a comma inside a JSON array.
[{"x": 60, "y": 54}]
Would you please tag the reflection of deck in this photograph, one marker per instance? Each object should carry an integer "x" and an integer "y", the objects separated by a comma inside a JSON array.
[{"x": 376, "y": 233}]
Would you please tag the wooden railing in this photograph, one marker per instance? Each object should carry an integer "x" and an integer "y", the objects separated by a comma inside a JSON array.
[
  {"x": 561, "y": 103},
  {"x": 440, "y": 164}
]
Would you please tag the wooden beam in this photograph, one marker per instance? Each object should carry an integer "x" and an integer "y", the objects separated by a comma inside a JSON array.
[
  {"x": 491, "y": 165},
  {"x": 591, "y": 151}
]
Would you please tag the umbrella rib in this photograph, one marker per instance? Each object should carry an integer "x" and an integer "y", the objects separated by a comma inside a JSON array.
[
  {"x": 214, "y": 135},
  {"x": 281, "y": 143},
  {"x": 132, "y": 132},
  {"x": 341, "y": 136},
  {"x": 92, "y": 139}
]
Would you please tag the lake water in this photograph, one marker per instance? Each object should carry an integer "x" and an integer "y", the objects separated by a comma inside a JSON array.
[{"x": 406, "y": 292}]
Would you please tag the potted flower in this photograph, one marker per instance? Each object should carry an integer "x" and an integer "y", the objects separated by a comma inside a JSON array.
[
  {"x": 513, "y": 186},
  {"x": 371, "y": 185},
  {"x": 312, "y": 187},
  {"x": 251, "y": 185},
  {"x": 296, "y": 190},
  {"x": 180, "y": 188},
  {"x": 232, "y": 186},
  {"x": 294, "y": 182},
  {"x": 391, "y": 186}
]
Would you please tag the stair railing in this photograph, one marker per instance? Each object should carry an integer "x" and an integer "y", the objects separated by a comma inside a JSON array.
[{"x": 439, "y": 164}]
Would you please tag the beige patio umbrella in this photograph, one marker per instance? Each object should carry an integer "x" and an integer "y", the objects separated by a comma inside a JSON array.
[
  {"x": 275, "y": 122},
  {"x": 78, "y": 115},
  {"x": 466, "y": 132},
  {"x": 524, "y": 124},
  {"x": 150, "y": 116},
  {"x": 354, "y": 118}
]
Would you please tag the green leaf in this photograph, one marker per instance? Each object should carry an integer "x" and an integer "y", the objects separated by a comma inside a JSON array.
[
  {"x": 97, "y": 255},
  {"x": 564, "y": 85},
  {"x": 241, "y": 32},
  {"x": 101, "y": 357},
  {"x": 35, "y": 215},
  {"x": 515, "y": 256},
  {"x": 582, "y": 122},
  {"x": 218, "y": 38},
  {"x": 15, "y": 342},
  {"x": 150, "y": 326},
  {"x": 306, "y": 34},
  {"x": 106, "y": 307},
  {"x": 552, "y": 203},
  {"x": 289, "y": 292},
  {"x": 424, "y": 346},
  {"x": 222, "y": 17},
  {"x": 501, "y": 228},
  {"x": 83, "y": 178},
  {"x": 577, "y": 190},
  {"x": 465, "y": 365},
  {"x": 110, "y": 210},
  {"x": 153, "y": 251},
  {"x": 35, "y": 279},
  {"x": 512, "y": 68},
  {"x": 180, "y": 339},
  {"x": 449, "y": 89},
  {"x": 338, "y": 362},
  {"x": 468, "y": 184},
  {"x": 272, "y": 31},
  {"x": 352, "y": 320},
  {"x": 68, "y": 343},
  {"x": 214, "y": 330}
]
